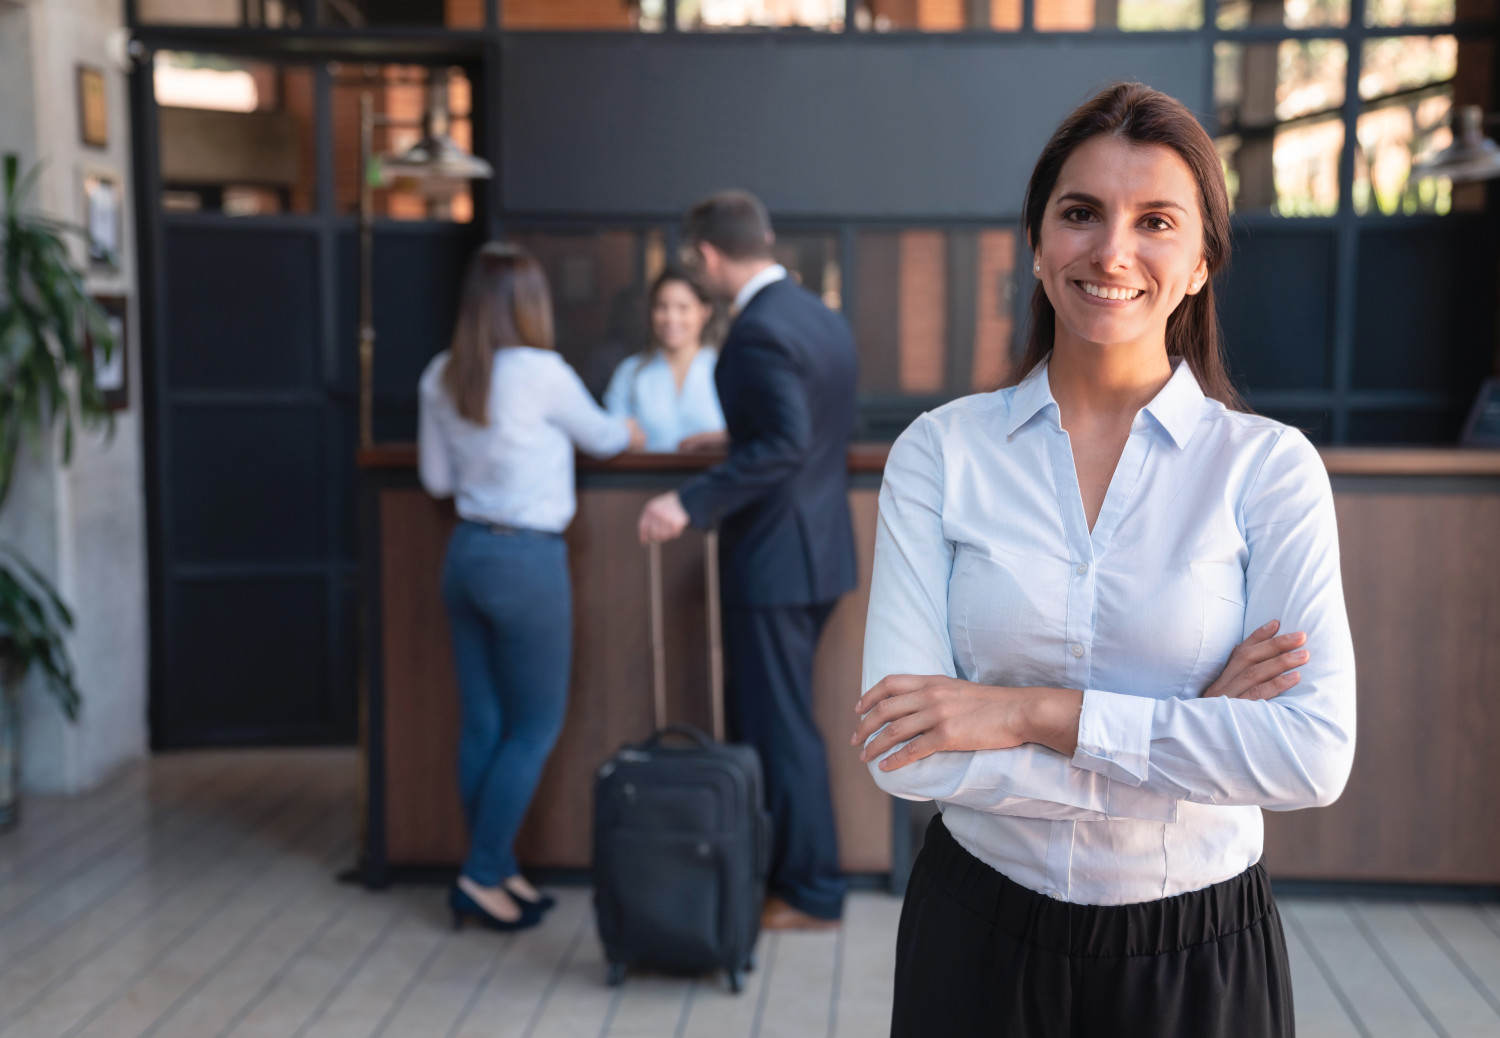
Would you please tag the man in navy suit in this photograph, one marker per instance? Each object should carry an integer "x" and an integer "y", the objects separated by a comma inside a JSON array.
[{"x": 786, "y": 381}]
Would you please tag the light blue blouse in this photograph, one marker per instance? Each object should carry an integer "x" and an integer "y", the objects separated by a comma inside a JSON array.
[{"x": 645, "y": 390}]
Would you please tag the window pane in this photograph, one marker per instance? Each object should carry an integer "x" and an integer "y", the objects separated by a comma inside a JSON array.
[
  {"x": 1129, "y": 15},
  {"x": 264, "y": 14},
  {"x": 1407, "y": 86},
  {"x": 935, "y": 310},
  {"x": 937, "y": 16},
  {"x": 237, "y": 136},
  {"x": 598, "y": 280},
  {"x": 1063, "y": 15},
  {"x": 1157, "y": 15},
  {"x": 1409, "y": 12},
  {"x": 357, "y": 14},
  {"x": 735, "y": 14},
  {"x": 1400, "y": 63},
  {"x": 1280, "y": 128},
  {"x": 812, "y": 257},
  {"x": 1294, "y": 14},
  {"x": 401, "y": 95},
  {"x": 582, "y": 14}
]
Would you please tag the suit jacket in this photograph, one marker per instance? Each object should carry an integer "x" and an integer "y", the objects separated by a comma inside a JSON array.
[{"x": 786, "y": 382}]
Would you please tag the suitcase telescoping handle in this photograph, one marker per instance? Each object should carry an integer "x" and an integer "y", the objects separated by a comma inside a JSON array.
[{"x": 715, "y": 644}]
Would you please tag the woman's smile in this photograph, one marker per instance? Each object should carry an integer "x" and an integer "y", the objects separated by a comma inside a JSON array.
[{"x": 1109, "y": 295}]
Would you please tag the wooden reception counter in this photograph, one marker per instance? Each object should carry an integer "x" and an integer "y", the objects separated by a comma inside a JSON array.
[{"x": 1420, "y": 536}]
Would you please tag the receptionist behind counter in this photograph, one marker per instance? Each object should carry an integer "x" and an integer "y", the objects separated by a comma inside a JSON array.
[{"x": 669, "y": 386}]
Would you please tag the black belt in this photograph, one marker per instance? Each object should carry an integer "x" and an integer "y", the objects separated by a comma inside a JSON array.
[{"x": 516, "y": 531}]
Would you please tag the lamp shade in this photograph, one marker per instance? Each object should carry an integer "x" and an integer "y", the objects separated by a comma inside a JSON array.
[
  {"x": 1471, "y": 157},
  {"x": 437, "y": 156}
]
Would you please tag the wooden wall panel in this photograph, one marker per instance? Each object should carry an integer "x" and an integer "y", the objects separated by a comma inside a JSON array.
[
  {"x": 1422, "y": 582},
  {"x": 862, "y": 810},
  {"x": 424, "y": 821}
]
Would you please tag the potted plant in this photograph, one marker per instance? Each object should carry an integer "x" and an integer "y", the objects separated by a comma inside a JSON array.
[{"x": 47, "y": 320}]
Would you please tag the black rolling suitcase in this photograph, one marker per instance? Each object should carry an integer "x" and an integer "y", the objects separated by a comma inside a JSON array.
[{"x": 681, "y": 842}]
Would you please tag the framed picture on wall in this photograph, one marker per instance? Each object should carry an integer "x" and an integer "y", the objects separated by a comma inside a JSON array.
[
  {"x": 110, "y": 375},
  {"x": 102, "y": 202},
  {"x": 93, "y": 109}
]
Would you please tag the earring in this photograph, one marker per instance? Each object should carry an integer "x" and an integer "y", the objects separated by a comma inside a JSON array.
[{"x": 1036, "y": 267}]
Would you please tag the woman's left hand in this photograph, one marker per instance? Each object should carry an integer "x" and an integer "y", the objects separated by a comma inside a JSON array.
[
  {"x": 704, "y": 441},
  {"x": 939, "y": 713}
]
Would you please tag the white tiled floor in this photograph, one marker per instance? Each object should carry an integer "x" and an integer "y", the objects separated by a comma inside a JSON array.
[{"x": 194, "y": 898}]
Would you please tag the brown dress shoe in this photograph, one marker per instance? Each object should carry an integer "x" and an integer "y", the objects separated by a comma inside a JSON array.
[{"x": 778, "y": 915}]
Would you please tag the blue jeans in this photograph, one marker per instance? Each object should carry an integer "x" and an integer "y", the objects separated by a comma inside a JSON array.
[{"x": 510, "y": 609}]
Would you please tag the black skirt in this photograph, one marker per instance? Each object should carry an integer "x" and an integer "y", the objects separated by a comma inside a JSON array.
[{"x": 978, "y": 954}]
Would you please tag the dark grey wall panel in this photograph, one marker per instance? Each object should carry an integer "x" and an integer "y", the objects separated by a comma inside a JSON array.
[
  {"x": 866, "y": 127},
  {"x": 248, "y": 483},
  {"x": 1277, "y": 307},
  {"x": 241, "y": 307},
  {"x": 1425, "y": 307},
  {"x": 250, "y": 661}
]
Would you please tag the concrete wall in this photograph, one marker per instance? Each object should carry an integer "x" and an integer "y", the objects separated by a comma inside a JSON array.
[{"x": 83, "y": 524}]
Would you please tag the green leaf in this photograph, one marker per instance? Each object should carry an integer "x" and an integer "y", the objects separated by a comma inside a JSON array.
[{"x": 47, "y": 322}]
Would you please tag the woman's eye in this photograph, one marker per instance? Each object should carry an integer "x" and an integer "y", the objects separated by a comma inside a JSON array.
[
  {"x": 1078, "y": 214},
  {"x": 1158, "y": 223}
]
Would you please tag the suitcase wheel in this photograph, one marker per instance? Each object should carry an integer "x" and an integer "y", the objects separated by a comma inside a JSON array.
[
  {"x": 616, "y": 975},
  {"x": 736, "y": 984}
]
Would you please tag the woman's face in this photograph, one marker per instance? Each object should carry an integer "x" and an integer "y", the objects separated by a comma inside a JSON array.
[
  {"x": 1121, "y": 241},
  {"x": 678, "y": 317}
]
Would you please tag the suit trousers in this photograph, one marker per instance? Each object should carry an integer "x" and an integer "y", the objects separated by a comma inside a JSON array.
[
  {"x": 768, "y": 663},
  {"x": 979, "y": 954}
]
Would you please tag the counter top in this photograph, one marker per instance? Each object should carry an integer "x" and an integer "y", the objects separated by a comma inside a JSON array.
[{"x": 870, "y": 457}]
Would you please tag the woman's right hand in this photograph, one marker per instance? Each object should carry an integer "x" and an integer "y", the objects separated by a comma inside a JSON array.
[
  {"x": 1262, "y": 666},
  {"x": 637, "y": 434}
]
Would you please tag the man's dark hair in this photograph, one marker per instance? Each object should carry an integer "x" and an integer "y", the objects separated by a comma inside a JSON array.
[{"x": 734, "y": 222}]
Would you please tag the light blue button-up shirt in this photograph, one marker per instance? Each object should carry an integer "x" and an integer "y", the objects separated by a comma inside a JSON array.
[
  {"x": 1215, "y": 522},
  {"x": 646, "y": 391}
]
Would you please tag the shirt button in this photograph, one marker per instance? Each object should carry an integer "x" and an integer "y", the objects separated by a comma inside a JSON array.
[
  {"x": 1054, "y": 895},
  {"x": 1083, "y": 567},
  {"x": 1077, "y": 650}
]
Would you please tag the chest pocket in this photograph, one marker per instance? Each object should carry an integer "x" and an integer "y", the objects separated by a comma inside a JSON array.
[
  {"x": 1007, "y": 617},
  {"x": 1221, "y": 593}
]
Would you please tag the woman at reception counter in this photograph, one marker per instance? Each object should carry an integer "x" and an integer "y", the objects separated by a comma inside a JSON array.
[
  {"x": 500, "y": 416},
  {"x": 669, "y": 386}
]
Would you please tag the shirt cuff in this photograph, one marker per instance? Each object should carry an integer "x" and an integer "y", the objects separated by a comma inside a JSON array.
[
  {"x": 690, "y": 494},
  {"x": 1114, "y": 736}
]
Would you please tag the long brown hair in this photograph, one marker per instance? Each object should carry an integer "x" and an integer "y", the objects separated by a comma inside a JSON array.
[
  {"x": 505, "y": 303},
  {"x": 1138, "y": 114}
]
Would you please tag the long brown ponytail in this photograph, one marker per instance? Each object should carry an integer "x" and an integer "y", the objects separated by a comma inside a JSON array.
[
  {"x": 1138, "y": 114},
  {"x": 505, "y": 303}
]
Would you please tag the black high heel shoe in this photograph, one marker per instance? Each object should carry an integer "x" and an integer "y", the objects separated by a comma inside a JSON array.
[
  {"x": 465, "y": 907},
  {"x": 542, "y": 903}
]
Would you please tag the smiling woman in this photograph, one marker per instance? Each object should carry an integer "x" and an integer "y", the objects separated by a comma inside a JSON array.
[{"x": 1090, "y": 598}]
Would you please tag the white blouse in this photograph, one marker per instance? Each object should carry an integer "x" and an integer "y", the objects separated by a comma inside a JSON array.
[
  {"x": 518, "y": 470},
  {"x": 646, "y": 391},
  {"x": 1215, "y": 522}
]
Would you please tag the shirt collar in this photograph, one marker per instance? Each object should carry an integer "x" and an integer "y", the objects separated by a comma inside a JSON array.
[
  {"x": 1177, "y": 407},
  {"x": 1032, "y": 395},
  {"x": 775, "y": 272}
]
